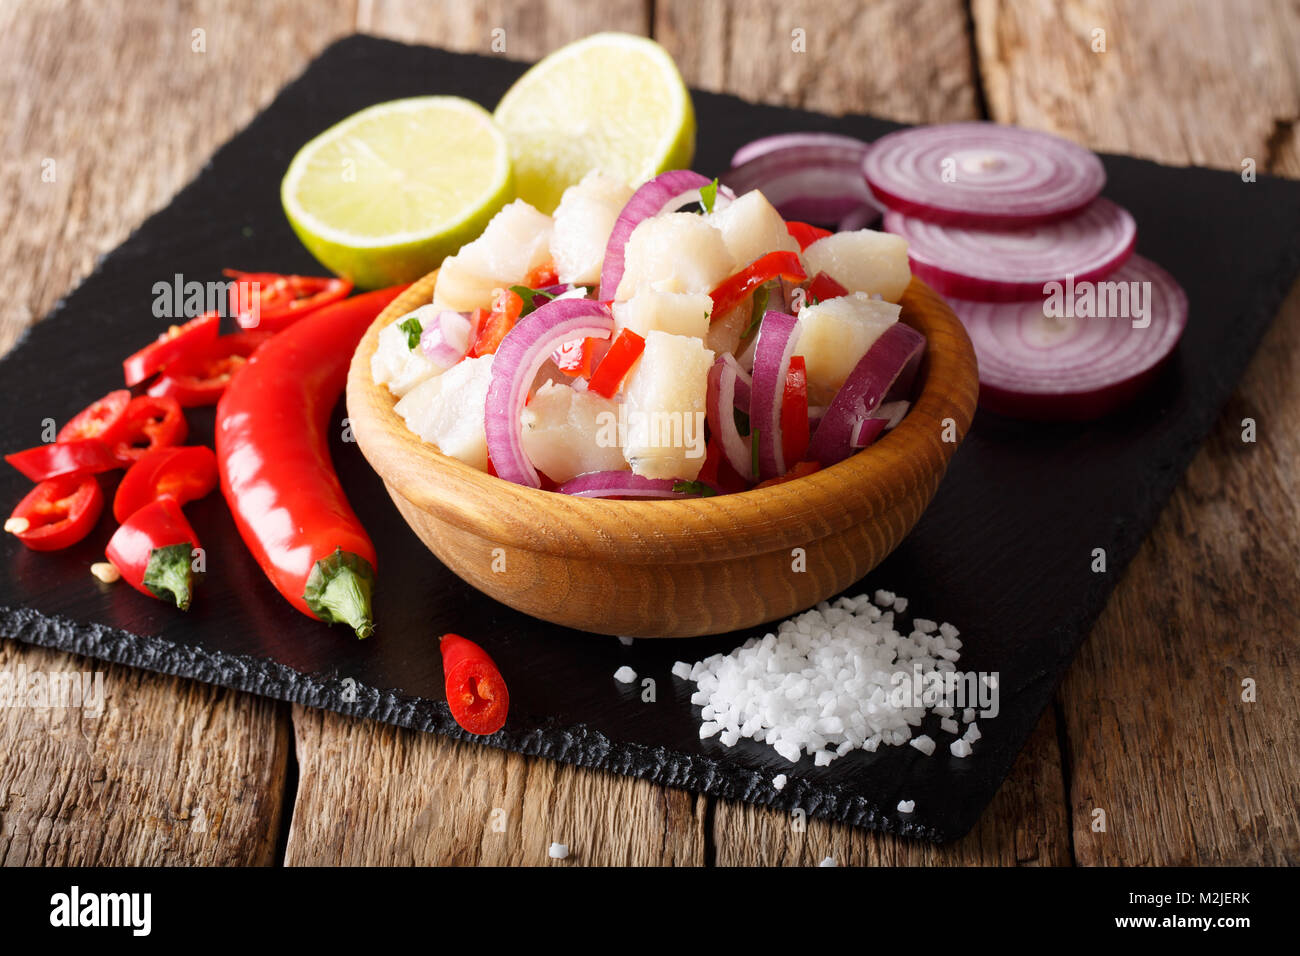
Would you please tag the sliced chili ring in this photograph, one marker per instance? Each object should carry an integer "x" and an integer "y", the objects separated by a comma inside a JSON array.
[
  {"x": 184, "y": 473},
  {"x": 151, "y": 421},
  {"x": 99, "y": 419},
  {"x": 201, "y": 379},
  {"x": 476, "y": 694},
  {"x": 57, "y": 513},
  {"x": 281, "y": 300},
  {"x": 82, "y": 456},
  {"x": 177, "y": 342}
]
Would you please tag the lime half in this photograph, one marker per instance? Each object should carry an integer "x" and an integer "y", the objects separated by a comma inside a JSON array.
[
  {"x": 613, "y": 102},
  {"x": 385, "y": 195}
]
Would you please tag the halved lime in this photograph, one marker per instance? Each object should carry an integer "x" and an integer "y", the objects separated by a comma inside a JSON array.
[
  {"x": 383, "y": 196},
  {"x": 611, "y": 101}
]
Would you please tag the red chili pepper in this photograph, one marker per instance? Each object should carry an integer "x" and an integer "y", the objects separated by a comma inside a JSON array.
[
  {"x": 175, "y": 343},
  {"x": 823, "y": 287},
  {"x": 618, "y": 361},
  {"x": 543, "y": 277},
  {"x": 151, "y": 421},
  {"x": 99, "y": 419},
  {"x": 154, "y": 550},
  {"x": 83, "y": 456},
  {"x": 574, "y": 358},
  {"x": 494, "y": 325},
  {"x": 798, "y": 471},
  {"x": 476, "y": 694},
  {"x": 181, "y": 473},
  {"x": 805, "y": 234},
  {"x": 57, "y": 513},
  {"x": 281, "y": 300},
  {"x": 200, "y": 379},
  {"x": 273, "y": 456},
  {"x": 794, "y": 411},
  {"x": 731, "y": 292}
]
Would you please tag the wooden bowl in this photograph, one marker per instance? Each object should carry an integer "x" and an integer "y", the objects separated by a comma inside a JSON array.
[{"x": 676, "y": 568}]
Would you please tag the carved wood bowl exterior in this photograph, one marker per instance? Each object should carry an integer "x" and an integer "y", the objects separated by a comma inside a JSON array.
[{"x": 676, "y": 568}]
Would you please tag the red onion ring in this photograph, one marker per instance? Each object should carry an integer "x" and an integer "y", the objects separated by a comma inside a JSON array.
[
  {"x": 667, "y": 192},
  {"x": 777, "y": 337},
  {"x": 867, "y": 430},
  {"x": 720, "y": 410},
  {"x": 810, "y": 177},
  {"x": 447, "y": 340},
  {"x": 624, "y": 484},
  {"x": 898, "y": 348},
  {"x": 1004, "y": 176},
  {"x": 1007, "y": 265},
  {"x": 521, "y": 355},
  {"x": 1072, "y": 369}
]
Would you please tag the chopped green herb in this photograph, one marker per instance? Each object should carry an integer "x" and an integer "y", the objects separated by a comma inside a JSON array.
[
  {"x": 761, "y": 297},
  {"x": 709, "y": 195},
  {"x": 753, "y": 452},
  {"x": 693, "y": 488},
  {"x": 413, "y": 330},
  {"x": 530, "y": 298}
]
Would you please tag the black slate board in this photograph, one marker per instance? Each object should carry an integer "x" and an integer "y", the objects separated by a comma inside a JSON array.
[{"x": 1004, "y": 552}]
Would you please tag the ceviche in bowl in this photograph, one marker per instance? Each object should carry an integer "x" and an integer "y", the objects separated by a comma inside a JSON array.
[{"x": 673, "y": 341}]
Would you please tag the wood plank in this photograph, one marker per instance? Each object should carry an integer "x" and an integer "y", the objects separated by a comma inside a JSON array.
[
  {"x": 371, "y": 793},
  {"x": 128, "y": 110},
  {"x": 1158, "y": 734},
  {"x": 173, "y": 772},
  {"x": 531, "y": 29},
  {"x": 902, "y": 59}
]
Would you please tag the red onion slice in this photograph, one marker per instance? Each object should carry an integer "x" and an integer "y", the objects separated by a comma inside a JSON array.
[
  {"x": 447, "y": 339},
  {"x": 1007, "y": 265},
  {"x": 982, "y": 174},
  {"x": 667, "y": 192},
  {"x": 777, "y": 337},
  {"x": 720, "y": 411},
  {"x": 898, "y": 348},
  {"x": 810, "y": 177},
  {"x": 624, "y": 484},
  {"x": 1074, "y": 368},
  {"x": 519, "y": 358},
  {"x": 867, "y": 430}
]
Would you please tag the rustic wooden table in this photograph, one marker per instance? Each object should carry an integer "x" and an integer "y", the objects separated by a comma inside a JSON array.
[{"x": 1149, "y": 725}]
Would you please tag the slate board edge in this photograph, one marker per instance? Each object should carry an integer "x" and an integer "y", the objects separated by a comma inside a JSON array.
[{"x": 577, "y": 745}]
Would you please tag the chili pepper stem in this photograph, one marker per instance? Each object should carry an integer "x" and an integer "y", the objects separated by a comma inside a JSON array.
[
  {"x": 170, "y": 576},
  {"x": 339, "y": 589}
]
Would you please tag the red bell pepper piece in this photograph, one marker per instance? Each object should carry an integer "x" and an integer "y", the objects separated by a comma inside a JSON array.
[
  {"x": 175, "y": 343},
  {"x": 794, "y": 410},
  {"x": 154, "y": 551},
  {"x": 83, "y": 456},
  {"x": 57, "y": 513},
  {"x": 476, "y": 693},
  {"x": 200, "y": 379},
  {"x": 574, "y": 358},
  {"x": 99, "y": 419},
  {"x": 618, "y": 361},
  {"x": 150, "y": 421},
  {"x": 805, "y": 234},
  {"x": 273, "y": 427},
  {"x": 732, "y": 291},
  {"x": 543, "y": 277},
  {"x": 281, "y": 300},
  {"x": 181, "y": 473},
  {"x": 494, "y": 325},
  {"x": 823, "y": 287}
]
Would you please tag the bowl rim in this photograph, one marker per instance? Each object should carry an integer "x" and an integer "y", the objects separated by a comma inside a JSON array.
[{"x": 779, "y": 516}]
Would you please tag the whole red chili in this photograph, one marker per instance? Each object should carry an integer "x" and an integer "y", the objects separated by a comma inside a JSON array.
[
  {"x": 154, "y": 550},
  {"x": 476, "y": 693},
  {"x": 273, "y": 456}
]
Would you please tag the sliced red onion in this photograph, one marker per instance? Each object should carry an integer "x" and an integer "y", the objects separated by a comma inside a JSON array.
[
  {"x": 866, "y": 430},
  {"x": 860, "y": 218},
  {"x": 624, "y": 484},
  {"x": 898, "y": 347},
  {"x": 446, "y": 340},
  {"x": 777, "y": 337},
  {"x": 744, "y": 384},
  {"x": 982, "y": 174},
  {"x": 811, "y": 177},
  {"x": 720, "y": 410},
  {"x": 1008, "y": 265},
  {"x": 1074, "y": 368},
  {"x": 667, "y": 192},
  {"x": 519, "y": 358},
  {"x": 892, "y": 412}
]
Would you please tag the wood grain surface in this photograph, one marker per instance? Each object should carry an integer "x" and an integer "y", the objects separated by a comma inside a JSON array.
[{"x": 1151, "y": 715}]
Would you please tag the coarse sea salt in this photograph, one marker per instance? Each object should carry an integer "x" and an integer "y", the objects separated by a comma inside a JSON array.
[
  {"x": 558, "y": 851},
  {"x": 826, "y": 682},
  {"x": 779, "y": 781},
  {"x": 906, "y": 806},
  {"x": 625, "y": 675}
]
